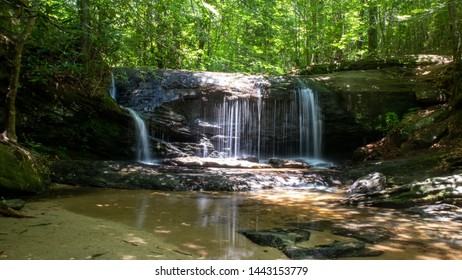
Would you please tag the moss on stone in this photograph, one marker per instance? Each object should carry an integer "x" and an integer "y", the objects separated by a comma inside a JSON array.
[{"x": 21, "y": 171}]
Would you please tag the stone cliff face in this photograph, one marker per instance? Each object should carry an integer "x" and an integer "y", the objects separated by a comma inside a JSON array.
[
  {"x": 184, "y": 107},
  {"x": 64, "y": 122},
  {"x": 182, "y": 110}
]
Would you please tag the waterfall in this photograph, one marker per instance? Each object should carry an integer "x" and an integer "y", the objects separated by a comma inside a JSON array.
[
  {"x": 310, "y": 123},
  {"x": 112, "y": 90},
  {"x": 235, "y": 117},
  {"x": 262, "y": 127},
  {"x": 143, "y": 148}
]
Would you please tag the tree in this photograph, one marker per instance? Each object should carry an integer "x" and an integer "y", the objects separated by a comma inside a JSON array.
[
  {"x": 30, "y": 16},
  {"x": 84, "y": 14},
  {"x": 372, "y": 31},
  {"x": 456, "y": 38}
]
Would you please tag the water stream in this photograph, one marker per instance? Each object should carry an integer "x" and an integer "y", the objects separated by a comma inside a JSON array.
[
  {"x": 206, "y": 225},
  {"x": 143, "y": 149},
  {"x": 264, "y": 128}
]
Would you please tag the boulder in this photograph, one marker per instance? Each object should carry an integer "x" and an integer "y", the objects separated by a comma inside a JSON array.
[
  {"x": 16, "y": 204},
  {"x": 21, "y": 171},
  {"x": 373, "y": 182}
]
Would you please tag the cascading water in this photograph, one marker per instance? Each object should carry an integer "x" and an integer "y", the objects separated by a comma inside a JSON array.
[
  {"x": 143, "y": 149},
  {"x": 239, "y": 124},
  {"x": 262, "y": 127},
  {"x": 310, "y": 123},
  {"x": 112, "y": 90}
]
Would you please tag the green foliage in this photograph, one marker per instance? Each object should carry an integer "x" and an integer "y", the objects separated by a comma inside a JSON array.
[
  {"x": 391, "y": 120},
  {"x": 271, "y": 36}
]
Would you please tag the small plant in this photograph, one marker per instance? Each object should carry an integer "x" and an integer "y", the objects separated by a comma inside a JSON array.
[{"x": 391, "y": 121}]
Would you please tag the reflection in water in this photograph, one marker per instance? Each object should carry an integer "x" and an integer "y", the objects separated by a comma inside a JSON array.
[
  {"x": 141, "y": 215},
  {"x": 206, "y": 225}
]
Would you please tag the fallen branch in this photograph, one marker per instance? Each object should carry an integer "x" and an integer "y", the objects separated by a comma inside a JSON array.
[{"x": 10, "y": 212}]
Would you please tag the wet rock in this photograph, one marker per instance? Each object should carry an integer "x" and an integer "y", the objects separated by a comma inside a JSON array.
[
  {"x": 366, "y": 233},
  {"x": 373, "y": 182},
  {"x": 334, "y": 250},
  {"x": 277, "y": 238},
  {"x": 132, "y": 175},
  {"x": 215, "y": 162},
  {"x": 286, "y": 240},
  {"x": 451, "y": 183},
  {"x": 321, "y": 225},
  {"x": 249, "y": 158},
  {"x": 369, "y": 234},
  {"x": 287, "y": 163},
  {"x": 445, "y": 212},
  {"x": 129, "y": 175},
  {"x": 16, "y": 204},
  {"x": 433, "y": 190},
  {"x": 180, "y": 105}
]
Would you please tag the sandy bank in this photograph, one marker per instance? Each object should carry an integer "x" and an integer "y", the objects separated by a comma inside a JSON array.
[{"x": 57, "y": 234}]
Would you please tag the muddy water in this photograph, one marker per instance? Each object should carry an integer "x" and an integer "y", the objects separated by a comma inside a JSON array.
[{"x": 206, "y": 225}]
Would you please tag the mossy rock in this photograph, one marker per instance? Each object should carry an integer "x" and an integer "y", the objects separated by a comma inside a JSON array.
[
  {"x": 21, "y": 172},
  {"x": 277, "y": 238}
]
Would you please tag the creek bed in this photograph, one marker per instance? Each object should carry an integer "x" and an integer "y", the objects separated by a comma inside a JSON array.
[{"x": 207, "y": 225}]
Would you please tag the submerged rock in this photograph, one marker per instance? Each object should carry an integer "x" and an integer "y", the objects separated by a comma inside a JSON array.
[
  {"x": 321, "y": 225},
  {"x": 277, "y": 238},
  {"x": 366, "y": 233},
  {"x": 369, "y": 234},
  {"x": 287, "y": 241},
  {"x": 334, "y": 250}
]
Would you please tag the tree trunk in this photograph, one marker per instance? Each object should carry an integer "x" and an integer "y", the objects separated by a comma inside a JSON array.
[
  {"x": 372, "y": 31},
  {"x": 10, "y": 120},
  {"x": 456, "y": 36},
  {"x": 84, "y": 13}
]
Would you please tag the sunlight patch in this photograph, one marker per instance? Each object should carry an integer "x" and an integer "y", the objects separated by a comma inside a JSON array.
[{"x": 133, "y": 240}]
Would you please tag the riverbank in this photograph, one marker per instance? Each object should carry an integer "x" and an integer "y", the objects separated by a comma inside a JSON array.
[
  {"x": 54, "y": 233},
  {"x": 59, "y": 228}
]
